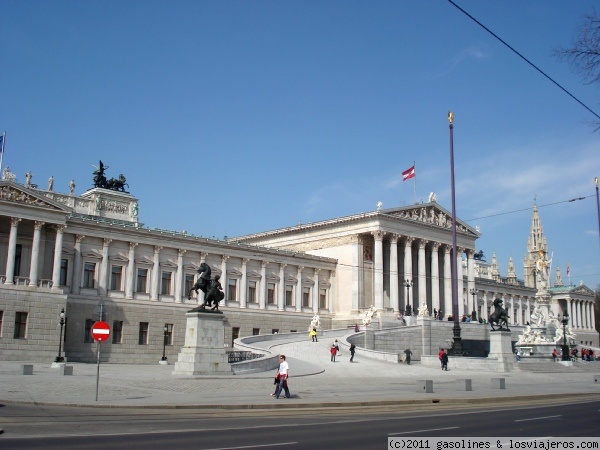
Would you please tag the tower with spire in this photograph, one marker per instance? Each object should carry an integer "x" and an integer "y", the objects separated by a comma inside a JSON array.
[{"x": 536, "y": 248}]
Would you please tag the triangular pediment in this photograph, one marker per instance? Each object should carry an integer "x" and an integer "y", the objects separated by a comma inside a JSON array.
[
  {"x": 144, "y": 260},
  {"x": 169, "y": 263},
  {"x": 92, "y": 254},
  {"x": 430, "y": 214},
  {"x": 120, "y": 257},
  {"x": 582, "y": 289},
  {"x": 12, "y": 192}
]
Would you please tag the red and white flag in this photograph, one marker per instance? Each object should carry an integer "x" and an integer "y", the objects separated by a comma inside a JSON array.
[{"x": 408, "y": 174}]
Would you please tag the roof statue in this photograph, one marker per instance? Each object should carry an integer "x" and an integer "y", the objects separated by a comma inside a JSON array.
[{"x": 115, "y": 184}]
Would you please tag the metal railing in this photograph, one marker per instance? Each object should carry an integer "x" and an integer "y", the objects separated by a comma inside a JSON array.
[{"x": 239, "y": 356}]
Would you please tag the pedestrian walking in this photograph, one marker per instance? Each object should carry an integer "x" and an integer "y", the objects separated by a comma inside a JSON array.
[
  {"x": 337, "y": 346},
  {"x": 408, "y": 354},
  {"x": 333, "y": 352},
  {"x": 444, "y": 360},
  {"x": 554, "y": 355},
  {"x": 352, "y": 351},
  {"x": 313, "y": 334},
  {"x": 440, "y": 354},
  {"x": 282, "y": 373}
]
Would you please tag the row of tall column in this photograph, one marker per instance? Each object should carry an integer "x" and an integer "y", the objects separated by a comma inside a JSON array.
[
  {"x": 438, "y": 285},
  {"x": 104, "y": 271},
  {"x": 582, "y": 314}
]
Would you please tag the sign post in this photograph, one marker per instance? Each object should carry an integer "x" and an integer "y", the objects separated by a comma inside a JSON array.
[{"x": 100, "y": 333}]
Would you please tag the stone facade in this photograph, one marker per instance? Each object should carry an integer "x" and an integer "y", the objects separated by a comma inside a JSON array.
[{"x": 76, "y": 252}]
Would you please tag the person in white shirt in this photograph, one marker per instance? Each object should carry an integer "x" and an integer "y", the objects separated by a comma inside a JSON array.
[{"x": 282, "y": 373}]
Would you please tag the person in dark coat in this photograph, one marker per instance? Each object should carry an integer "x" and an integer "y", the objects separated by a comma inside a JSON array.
[{"x": 408, "y": 354}]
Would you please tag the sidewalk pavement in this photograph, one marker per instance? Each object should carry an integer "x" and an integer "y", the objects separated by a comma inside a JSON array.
[{"x": 314, "y": 381}]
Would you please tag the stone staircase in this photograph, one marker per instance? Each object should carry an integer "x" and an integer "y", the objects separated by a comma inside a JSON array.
[{"x": 548, "y": 366}]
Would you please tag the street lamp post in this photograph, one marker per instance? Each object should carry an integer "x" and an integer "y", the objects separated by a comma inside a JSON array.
[
  {"x": 473, "y": 292},
  {"x": 165, "y": 330},
  {"x": 565, "y": 347},
  {"x": 62, "y": 316},
  {"x": 408, "y": 284},
  {"x": 457, "y": 346}
]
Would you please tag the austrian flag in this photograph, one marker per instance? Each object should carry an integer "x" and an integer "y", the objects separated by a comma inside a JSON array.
[{"x": 408, "y": 174}]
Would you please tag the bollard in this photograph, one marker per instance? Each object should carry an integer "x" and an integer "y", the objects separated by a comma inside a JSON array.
[
  {"x": 498, "y": 383},
  {"x": 27, "y": 369},
  {"x": 66, "y": 370},
  {"x": 425, "y": 386},
  {"x": 464, "y": 385}
]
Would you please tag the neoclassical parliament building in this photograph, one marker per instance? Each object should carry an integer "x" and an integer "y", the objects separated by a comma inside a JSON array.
[{"x": 90, "y": 256}]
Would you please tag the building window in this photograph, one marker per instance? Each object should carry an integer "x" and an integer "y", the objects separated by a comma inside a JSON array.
[
  {"x": 18, "y": 252},
  {"x": 64, "y": 269},
  {"x": 143, "y": 336},
  {"x": 232, "y": 289},
  {"x": 252, "y": 292},
  {"x": 275, "y": 331},
  {"x": 306, "y": 297},
  {"x": 116, "y": 277},
  {"x": 323, "y": 299},
  {"x": 89, "y": 272},
  {"x": 87, "y": 337},
  {"x": 271, "y": 293},
  {"x": 168, "y": 334},
  {"x": 117, "y": 332},
  {"x": 255, "y": 331},
  {"x": 235, "y": 333},
  {"x": 289, "y": 296},
  {"x": 20, "y": 325},
  {"x": 142, "y": 278},
  {"x": 165, "y": 288},
  {"x": 189, "y": 282}
]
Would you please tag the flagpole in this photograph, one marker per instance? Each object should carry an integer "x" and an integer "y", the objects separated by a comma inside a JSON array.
[
  {"x": 415, "y": 181},
  {"x": 2, "y": 150}
]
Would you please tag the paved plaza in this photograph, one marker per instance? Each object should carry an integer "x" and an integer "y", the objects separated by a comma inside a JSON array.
[{"x": 315, "y": 381}]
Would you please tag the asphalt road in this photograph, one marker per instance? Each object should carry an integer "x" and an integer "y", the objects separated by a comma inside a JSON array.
[{"x": 34, "y": 427}]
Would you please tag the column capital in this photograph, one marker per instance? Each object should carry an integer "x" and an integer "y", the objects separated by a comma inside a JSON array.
[
  {"x": 38, "y": 225},
  {"x": 264, "y": 264},
  {"x": 245, "y": 261},
  {"x": 378, "y": 235},
  {"x": 203, "y": 255},
  {"x": 79, "y": 238},
  {"x": 300, "y": 269},
  {"x": 317, "y": 271},
  {"x": 224, "y": 258},
  {"x": 435, "y": 245},
  {"x": 408, "y": 241},
  {"x": 157, "y": 248},
  {"x": 14, "y": 221},
  {"x": 423, "y": 243},
  {"x": 133, "y": 245},
  {"x": 394, "y": 238},
  {"x": 59, "y": 228},
  {"x": 106, "y": 242},
  {"x": 181, "y": 251}
]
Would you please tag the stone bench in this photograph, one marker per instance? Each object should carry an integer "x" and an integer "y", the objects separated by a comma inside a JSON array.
[
  {"x": 425, "y": 386},
  {"x": 27, "y": 369},
  {"x": 464, "y": 385},
  {"x": 498, "y": 383}
]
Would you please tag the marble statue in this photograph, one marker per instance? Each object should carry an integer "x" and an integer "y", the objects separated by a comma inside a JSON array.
[
  {"x": 28, "y": 177},
  {"x": 423, "y": 311},
  {"x": 537, "y": 316},
  {"x": 72, "y": 187},
  {"x": 50, "y": 183},
  {"x": 369, "y": 316},
  {"x": 315, "y": 322}
]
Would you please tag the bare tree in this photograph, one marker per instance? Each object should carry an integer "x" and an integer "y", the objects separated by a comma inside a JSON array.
[{"x": 584, "y": 53}]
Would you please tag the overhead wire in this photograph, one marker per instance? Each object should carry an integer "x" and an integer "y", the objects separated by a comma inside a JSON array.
[{"x": 524, "y": 58}]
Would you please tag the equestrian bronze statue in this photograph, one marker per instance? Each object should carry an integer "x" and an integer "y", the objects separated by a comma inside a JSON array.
[
  {"x": 499, "y": 317},
  {"x": 211, "y": 287}
]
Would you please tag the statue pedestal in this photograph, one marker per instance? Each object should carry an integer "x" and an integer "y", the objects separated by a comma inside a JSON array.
[
  {"x": 501, "y": 349},
  {"x": 204, "y": 349}
]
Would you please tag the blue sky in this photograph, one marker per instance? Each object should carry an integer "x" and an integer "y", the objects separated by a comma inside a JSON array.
[{"x": 234, "y": 117}]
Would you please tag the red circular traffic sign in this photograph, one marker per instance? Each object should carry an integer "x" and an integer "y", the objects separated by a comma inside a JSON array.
[{"x": 100, "y": 331}]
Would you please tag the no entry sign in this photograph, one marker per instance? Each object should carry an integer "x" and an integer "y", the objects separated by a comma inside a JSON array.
[{"x": 100, "y": 331}]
